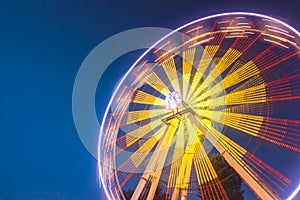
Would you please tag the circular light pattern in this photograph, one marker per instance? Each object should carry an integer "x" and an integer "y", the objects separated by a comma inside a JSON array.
[{"x": 233, "y": 80}]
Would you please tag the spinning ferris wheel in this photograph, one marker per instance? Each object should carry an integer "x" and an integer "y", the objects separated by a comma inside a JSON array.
[{"x": 227, "y": 84}]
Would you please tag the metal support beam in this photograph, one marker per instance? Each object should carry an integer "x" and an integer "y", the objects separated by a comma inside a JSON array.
[
  {"x": 155, "y": 165},
  {"x": 254, "y": 184}
]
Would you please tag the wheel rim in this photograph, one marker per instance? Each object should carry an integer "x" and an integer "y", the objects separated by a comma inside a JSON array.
[{"x": 237, "y": 78}]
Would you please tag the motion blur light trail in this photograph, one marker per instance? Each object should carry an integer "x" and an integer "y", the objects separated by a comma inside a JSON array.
[{"x": 229, "y": 84}]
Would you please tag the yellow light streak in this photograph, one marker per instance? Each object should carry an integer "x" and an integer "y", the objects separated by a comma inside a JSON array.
[
  {"x": 244, "y": 72},
  {"x": 156, "y": 83},
  {"x": 138, "y": 156},
  {"x": 136, "y": 134},
  {"x": 136, "y": 116},
  {"x": 177, "y": 156},
  {"x": 170, "y": 68},
  {"x": 207, "y": 55},
  {"x": 145, "y": 98},
  {"x": 187, "y": 65}
]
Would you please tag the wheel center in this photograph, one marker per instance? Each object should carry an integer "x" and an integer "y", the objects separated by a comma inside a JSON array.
[{"x": 173, "y": 101}]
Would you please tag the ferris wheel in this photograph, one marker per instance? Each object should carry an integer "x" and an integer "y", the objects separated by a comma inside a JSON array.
[{"x": 225, "y": 85}]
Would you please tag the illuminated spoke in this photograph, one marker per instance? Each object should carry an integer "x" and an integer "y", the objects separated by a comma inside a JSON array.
[{"x": 187, "y": 65}]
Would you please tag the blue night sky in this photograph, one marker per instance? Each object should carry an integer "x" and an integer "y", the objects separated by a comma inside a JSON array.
[{"x": 43, "y": 44}]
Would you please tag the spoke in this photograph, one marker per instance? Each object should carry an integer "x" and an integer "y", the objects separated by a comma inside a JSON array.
[
  {"x": 210, "y": 185},
  {"x": 155, "y": 165},
  {"x": 138, "y": 156},
  {"x": 286, "y": 88},
  {"x": 145, "y": 74},
  {"x": 170, "y": 69},
  {"x": 206, "y": 58},
  {"x": 148, "y": 99},
  {"x": 177, "y": 156},
  {"x": 183, "y": 177},
  {"x": 252, "y": 180},
  {"x": 140, "y": 115},
  {"x": 228, "y": 58},
  {"x": 140, "y": 97},
  {"x": 156, "y": 83},
  {"x": 255, "y": 94},
  {"x": 131, "y": 137},
  {"x": 253, "y": 67},
  {"x": 243, "y": 72},
  {"x": 187, "y": 65},
  {"x": 281, "y": 132},
  {"x": 277, "y": 90},
  {"x": 243, "y": 156}
]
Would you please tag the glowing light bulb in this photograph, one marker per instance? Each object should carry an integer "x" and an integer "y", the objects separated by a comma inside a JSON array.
[{"x": 173, "y": 101}]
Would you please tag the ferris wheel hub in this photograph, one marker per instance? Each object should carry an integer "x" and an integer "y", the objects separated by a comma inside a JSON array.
[{"x": 173, "y": 101}]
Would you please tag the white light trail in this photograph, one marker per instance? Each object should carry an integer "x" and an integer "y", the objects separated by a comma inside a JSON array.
[
  {"x": 283, "y": 33},
  {"x": 162, "y": 47},
  {"x": 194, "y": 29},
  {"x": 243, "y": 23},
  {"x": 277, "y": 43},
  {"x": 274, "y": 27},
  {"x": 223, "y": 22},
  {"x": 294, "y": 193},
  {"x": 279, "y": 38},
  {"x": 201, "y": 42},
  {"x": 236, "y": 36},
  {"x": 269, "y": 20}
]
